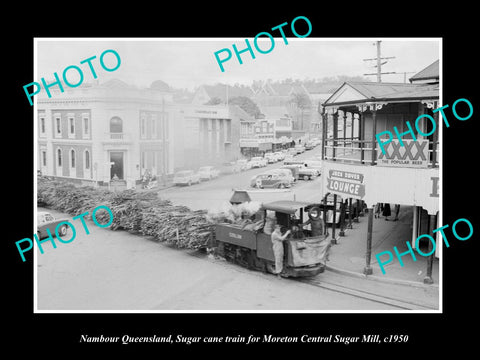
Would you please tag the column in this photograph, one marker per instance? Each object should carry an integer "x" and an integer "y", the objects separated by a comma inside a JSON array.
[
  {"x": 324, "y": 132},
  {"x": 361, "y": 135},
  {"x": 432, "y": 226},
  {"x": 344, "y": 132},
  {"x": 350, "y": 213},
  {"x": 368, "y": 255},
  {"x": 415, "y": 226},
  {"x": 374, "y": 139},
  {"x": 335, "y": 134},
  {"x": 334, "y": 240},
  {"x": 342, "y": 218}
]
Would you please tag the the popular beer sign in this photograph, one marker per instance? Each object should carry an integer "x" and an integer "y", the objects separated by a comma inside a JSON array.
[
  {"x": 346, "y": 183},
  {"x": 411, "y": 154}
]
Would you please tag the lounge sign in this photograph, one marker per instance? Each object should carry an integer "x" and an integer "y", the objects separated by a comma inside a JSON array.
[
  {"x": 346, "y": 183},
  {"x": 411, "y": 154}
]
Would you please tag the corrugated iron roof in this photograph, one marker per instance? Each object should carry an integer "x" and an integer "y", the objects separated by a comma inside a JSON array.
[
  {"x": 385, "y": 91},
  {"x": 432, "y": 71}
]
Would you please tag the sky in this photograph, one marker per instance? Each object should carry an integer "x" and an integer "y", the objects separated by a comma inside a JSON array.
[{"x": 189, "y": 63}]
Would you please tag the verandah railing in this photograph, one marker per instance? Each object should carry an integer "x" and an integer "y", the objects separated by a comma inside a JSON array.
[{"x": 360, "y": 151}]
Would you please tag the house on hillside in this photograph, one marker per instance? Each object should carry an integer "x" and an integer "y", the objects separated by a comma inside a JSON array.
[{"x": 223, "y": 92}]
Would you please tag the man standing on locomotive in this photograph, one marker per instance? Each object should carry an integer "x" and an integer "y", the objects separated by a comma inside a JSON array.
[{"x": 277, "y": 242}]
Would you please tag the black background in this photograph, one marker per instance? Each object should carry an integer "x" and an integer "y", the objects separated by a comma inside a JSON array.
[{"x": 58, "y": 334}]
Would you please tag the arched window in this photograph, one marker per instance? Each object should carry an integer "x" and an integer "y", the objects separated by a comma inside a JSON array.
[
  {"x": 59, "y": 157},
  {"x": 116, "y": 125}
]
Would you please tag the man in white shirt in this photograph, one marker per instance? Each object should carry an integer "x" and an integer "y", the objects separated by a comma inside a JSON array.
[{"x": 277, "y": 242}]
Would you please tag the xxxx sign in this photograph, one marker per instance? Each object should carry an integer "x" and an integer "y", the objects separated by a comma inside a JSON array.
[{"x": 411, "y": 154}]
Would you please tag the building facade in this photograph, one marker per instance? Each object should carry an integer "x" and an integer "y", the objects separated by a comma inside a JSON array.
[
  {"x": 100, "y": 134},
  {"x": 113, "y": 134},
  {"x": 355, "y": 167}
]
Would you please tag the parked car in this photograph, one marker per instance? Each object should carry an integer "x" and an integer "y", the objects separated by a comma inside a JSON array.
[
  {"x": 208, "y": 173},
  {"x": 300, "y": 149},
  {"x": 309, "y": 145},
  {"x": 46, "y": 220},
  {"x": 288, "y": 158},
  {"x": 314, "y": 164},
  {"x": 230, "y": 167},
  {"x": 257, "y": 162},
  {"x": 285, "y": 173},
  {"x": 279, "y": 155},
  {"x": 304, "y": 171},
  {"x": 291, "y": 151},
  {"x": 186, "y": 177},
  {"x": 271, "y": 158},
  {"x": 270, "y": 180},
  {"x": 243, "y": 164},
  {"x": 294, "y": 169}
]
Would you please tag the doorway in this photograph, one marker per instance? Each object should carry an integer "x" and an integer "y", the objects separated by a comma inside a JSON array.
[{"x": 116, "y": 161}]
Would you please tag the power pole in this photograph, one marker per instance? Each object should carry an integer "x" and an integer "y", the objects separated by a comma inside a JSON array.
[{"x": 379, "y": 59}]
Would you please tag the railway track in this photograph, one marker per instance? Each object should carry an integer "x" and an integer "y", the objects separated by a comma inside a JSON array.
[
  {"x": 324, "y": 281},
  {"x": 319, "y": 281}
]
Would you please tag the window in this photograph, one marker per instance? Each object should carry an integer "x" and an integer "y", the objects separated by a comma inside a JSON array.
[
  {"x": 87, "y": 159},
  {"x": 86, "y": 125},
  {"x": 58, "y": 126},
  {"x": 71, "y": 126},
  {"x": 42, "y": 126},
  {"x": 44, "y": 158},
  {"x": 59, "y": 157},
  {"x": 72, "y": 158},
  {"x": 116, "y": 125},
  {"x": 154, "y": 126},
  {"x": 142, "y": 126}
]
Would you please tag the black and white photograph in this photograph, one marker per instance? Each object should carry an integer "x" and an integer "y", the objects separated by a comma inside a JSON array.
[
  {"x": 250, "y": 182},
  {"x": 218, "y": 180}
]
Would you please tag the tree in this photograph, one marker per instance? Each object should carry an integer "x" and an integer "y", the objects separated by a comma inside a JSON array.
[
  {"x": 302, "y": 102},
  {"x": 247, "y": 105},
  {"x": 214, "y": 101}
]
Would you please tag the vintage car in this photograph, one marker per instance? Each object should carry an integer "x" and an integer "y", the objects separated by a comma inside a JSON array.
[
  {"x": 306, "y": 172},
  {"x": 300, "y": 149},
  {"x": 314, "y": 164},
  {"x": 257, "y": 162},
  {"x": 243, "y": 164},
  {"x": 292, "y": 152},
  {"x": 186, "y": 177},
  {"x": 276, "y": 179},
  {"x": 279, "y": 155},
  {"x": 208, "y": 173},
  {"x": 271, "y": 158},
  {"x": 46, "y": 220},
  {"x": 294, "y": 170},
  {"x": 309, "y": 145}
]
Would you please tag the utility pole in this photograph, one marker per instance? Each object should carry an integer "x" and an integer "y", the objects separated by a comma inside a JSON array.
[{"x": 379, "y": 59}]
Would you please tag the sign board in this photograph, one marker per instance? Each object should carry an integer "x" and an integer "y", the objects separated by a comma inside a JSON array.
[
  {"x": 413, "y": 153},
  {"x": 346, "y": 183}
]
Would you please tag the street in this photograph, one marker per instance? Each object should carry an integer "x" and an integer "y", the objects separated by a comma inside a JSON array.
[
  {"x": 212, "y": 194},
  {"x": 115, "y": 270}
]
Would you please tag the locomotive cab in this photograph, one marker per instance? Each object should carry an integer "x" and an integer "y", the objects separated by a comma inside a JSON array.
[{"x": 305, "y": 249}]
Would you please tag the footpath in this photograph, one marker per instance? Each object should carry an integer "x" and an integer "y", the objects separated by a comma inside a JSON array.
[{"x": 348, "y": 255}]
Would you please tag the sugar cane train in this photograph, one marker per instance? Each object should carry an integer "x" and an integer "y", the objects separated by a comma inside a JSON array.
[{"x": 249, "y": 243}]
